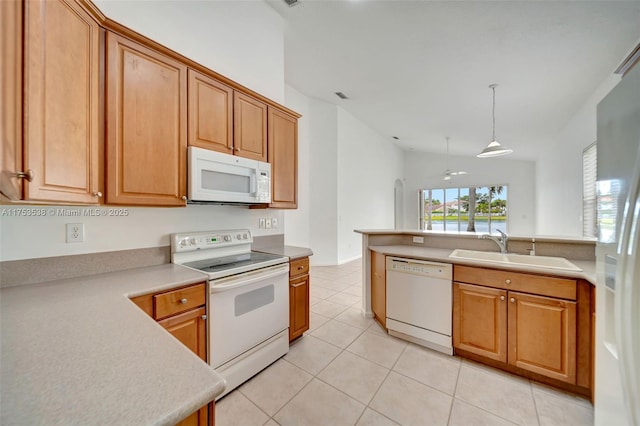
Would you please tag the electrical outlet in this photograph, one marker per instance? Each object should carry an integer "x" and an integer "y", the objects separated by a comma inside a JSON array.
[
  {"x": 274, "y": 222},
  {"x": 419, "y": 240},
  {"x": 75, "y": 232},
  {"x": 268, "y": 223},
  {"x": 261, "y": 223}
]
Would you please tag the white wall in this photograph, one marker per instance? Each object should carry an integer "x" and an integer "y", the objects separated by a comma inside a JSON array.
[
  {"x": 323, "y": 182},
  {"x": 242, "y": 40},
  {"x": 424, "y": 170},
  {"x": 368, "y": 166},
  {"x": 297, "y": 230},
  {"x": 559, "y": 173}
]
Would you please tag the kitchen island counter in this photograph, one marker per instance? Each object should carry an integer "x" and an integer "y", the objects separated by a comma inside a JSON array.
[
  {"x": 588, "y": 272},
  {"x": 78, "y": 351}
]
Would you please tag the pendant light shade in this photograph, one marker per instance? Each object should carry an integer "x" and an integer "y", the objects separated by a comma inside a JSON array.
[{"x": 494, "y": 149}]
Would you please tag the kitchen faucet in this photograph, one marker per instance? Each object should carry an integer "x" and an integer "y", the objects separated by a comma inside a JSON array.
[{"x": 501, "y": 241}]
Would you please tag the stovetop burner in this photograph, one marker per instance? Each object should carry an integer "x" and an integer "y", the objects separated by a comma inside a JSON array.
[{"x": 230, "y": 262}]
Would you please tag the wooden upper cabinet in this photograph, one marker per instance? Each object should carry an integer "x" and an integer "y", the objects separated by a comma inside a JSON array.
[
  {"x": 542, "y": 335},
  {"x": 11, "y": 98},
  {"x": 146, "y": 125},
  {"x": 283, "y": 156},
  {"x": 210, "y": 113},
  {"x": 480, "y": 320},
  {"x": 62, "y": 126},
  {"x": 249, "y": 127}
]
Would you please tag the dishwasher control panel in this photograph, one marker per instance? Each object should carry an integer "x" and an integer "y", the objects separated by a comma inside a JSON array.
[{"x": 418, "y": 267}]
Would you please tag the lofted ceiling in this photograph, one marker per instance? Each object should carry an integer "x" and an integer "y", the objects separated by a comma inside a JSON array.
[{"x": 420, "y": 70}]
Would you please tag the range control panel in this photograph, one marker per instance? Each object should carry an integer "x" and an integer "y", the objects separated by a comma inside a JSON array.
[{"x": 210, "y": 239}]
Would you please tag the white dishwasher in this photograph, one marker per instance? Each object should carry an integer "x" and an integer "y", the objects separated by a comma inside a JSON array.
[{"x": 419, "y": 306}]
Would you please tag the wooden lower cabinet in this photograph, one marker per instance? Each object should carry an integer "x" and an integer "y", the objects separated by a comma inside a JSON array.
[
  {"x": 542, "y": 335},
  {"x": 525, "y": 331},
  {"x": 480, "y": 320},
  {"x": 299, "y": 287},
  {"x": 379, "y": 288},
  {"x": 174, "y": 310}
]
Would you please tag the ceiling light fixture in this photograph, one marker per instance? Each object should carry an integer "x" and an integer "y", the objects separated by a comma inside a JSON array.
[
  {"x": 494, "y": 149},
  {"x": 448, "y": 173}
]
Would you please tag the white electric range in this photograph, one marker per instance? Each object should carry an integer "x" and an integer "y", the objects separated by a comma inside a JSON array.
[{"x": 248, "y": 300}]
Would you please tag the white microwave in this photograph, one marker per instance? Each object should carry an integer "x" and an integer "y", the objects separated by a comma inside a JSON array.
[{"x": 223, "y": 178}]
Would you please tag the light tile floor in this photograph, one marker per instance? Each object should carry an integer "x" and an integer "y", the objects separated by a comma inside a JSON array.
[{"x": 346, "y": 370}]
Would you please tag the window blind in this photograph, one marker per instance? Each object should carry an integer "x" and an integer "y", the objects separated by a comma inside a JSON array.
[{"x": 589, "y": 176}]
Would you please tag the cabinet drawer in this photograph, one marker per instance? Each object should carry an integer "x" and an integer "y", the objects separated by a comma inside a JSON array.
[
  {"x": 536, "y": 284},
  {"x": 299, "y": 267},
  {"x": 181, "y": 300}
]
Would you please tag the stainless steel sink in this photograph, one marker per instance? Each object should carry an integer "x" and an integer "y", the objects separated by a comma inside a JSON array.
[{"x": 515, "y": 259}]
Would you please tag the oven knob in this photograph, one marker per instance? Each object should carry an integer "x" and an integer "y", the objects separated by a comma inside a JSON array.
[
  {"x": 239, "y": 236},
  {"x": 244, "y": 236},
  {"x": 193, "y": 241},
  {"x": 227, "y": 237},
  {"x": 183, "y": 242}
]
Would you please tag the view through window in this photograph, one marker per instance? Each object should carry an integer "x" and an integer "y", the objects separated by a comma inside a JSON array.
[{"x": 481, "y": 209}]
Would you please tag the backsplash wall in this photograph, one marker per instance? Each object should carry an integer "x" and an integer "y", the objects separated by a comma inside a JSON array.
[{"x": 115, "y": 228}]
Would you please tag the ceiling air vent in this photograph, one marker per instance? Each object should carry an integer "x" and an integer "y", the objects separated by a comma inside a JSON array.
[
  {"x": 292, "y": 3},
  {"x": 341, "y": 95}
]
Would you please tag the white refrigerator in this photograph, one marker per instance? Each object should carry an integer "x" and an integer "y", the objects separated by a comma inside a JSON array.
[{"x": 617, "y": 358}]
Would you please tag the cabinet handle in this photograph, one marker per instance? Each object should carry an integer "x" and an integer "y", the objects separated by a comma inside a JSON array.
[
  {"x": 300, "y": 268},
  {"x": 237, "y": 149},
  {"x": 204, "y": 317},
  {"x": 507, "y": 281},
  {"x": 183, "y": 301},
  {"x": 297, "y": 285},
  {"x": 28, "y": 175},
  {"x": 501, "y": 297},
  {"x": 512, "y": 300},
  {"x": 97, "y": 194}
]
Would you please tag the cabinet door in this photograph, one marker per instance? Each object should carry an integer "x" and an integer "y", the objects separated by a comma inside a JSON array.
[
  {"x": 210, "y": 113},
  {"x": 379, "y": 288},
  {"x": 480, "y": 320},
  {"x": 283, "y": 156},
  {"x": 11, "y": 98},
  {"x": 190, "y": 328},
  {"x": 298, "y": 306},
  {"x": 62, "y": 130},
  {"x": 146, "y": 126},
  {"x": 542, "y": 335},
  {"x": 249, "y": 127}
]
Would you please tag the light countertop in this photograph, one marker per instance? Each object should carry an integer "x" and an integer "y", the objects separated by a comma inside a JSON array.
[
  {"x": 292, "y": 252},
  {"x": 78, "y": 351},
  {"x": 442, "y": 255}
]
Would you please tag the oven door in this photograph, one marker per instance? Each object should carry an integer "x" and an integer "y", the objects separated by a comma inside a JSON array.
[{"x": 245, "y": 310}]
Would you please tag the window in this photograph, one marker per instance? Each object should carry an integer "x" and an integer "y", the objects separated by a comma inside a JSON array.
[
  {"x": 589, "y": 176},
  {"x": 482, "y": 209}
]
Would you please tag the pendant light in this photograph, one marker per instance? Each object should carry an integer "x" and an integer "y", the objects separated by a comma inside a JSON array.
[{"x": 494, "y": 149}]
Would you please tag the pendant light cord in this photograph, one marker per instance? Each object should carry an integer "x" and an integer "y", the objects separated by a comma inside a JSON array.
[{"x": 493, "y": 111}]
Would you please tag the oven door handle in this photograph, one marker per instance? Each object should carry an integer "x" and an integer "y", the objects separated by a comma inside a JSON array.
[{"x": 226, "y": 284}]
